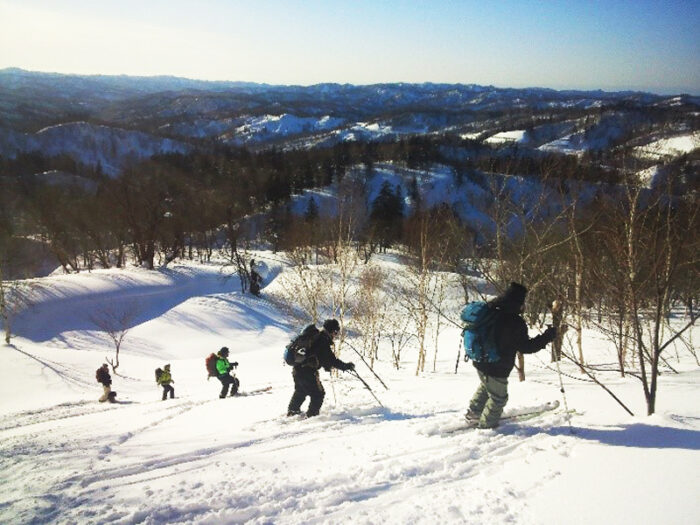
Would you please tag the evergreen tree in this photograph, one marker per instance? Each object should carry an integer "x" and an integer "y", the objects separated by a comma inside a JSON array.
[
  {"x": 387, "y": 214},
  {"x": 311, "y": 213}
]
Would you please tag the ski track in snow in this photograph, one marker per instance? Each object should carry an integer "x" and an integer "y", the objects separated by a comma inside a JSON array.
[
  {"x": 372, "y": 482},
  {"x": 198, "y": 459}
]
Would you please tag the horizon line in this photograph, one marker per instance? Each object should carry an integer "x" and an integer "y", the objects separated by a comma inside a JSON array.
[{"x": 630, "y": 90}]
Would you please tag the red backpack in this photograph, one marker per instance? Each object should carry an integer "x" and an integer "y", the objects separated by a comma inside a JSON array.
[{"x": 210, "y": 362}]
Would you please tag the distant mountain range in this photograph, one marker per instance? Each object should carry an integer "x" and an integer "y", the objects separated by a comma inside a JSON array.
[{"x": 111, "y": 121}]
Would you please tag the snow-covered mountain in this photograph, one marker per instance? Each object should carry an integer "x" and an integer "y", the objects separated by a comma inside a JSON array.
[
  {"x": 95, "y": 145},
  {"x": 93, "y": 118}
]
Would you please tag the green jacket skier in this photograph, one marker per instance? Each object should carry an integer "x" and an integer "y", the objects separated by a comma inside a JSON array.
[
  {"x": 223, "y": 367},
  {"x": 165, "y": 379}
]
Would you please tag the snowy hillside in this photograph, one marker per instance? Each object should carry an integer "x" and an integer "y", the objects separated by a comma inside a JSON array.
[
  {"x": 58, "y": 114},
  {"x": 92, "y": 145},
  {"x": 670, "y": 147},
  {"x": 436, "y": 185},
  {"x": 198, "y": 459}
]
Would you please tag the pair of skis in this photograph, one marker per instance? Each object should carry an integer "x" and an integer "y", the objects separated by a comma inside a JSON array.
[{"x": 513, "y": 417}]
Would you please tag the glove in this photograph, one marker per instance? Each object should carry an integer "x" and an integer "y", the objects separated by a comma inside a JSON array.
[
  {"x": 349, "y": 366},
  {"x": 234, "y": 364},
  {"x": 549, "y": 334}
]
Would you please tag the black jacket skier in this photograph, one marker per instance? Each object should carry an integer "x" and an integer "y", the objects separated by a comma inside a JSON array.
[
  {"x": 511, "y": 334},
  {"x": 306, "y": 379},
  {"x": 102, "y": 376}
]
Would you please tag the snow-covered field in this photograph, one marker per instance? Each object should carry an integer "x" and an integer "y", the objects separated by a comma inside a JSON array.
[
  {"x": 65, "y": 458},
  {"x": 670, "y": 146},
  {"x": 503, "y": 137}
]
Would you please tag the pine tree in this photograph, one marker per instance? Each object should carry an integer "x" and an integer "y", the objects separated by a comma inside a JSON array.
[{"x": 387, "y": 214}]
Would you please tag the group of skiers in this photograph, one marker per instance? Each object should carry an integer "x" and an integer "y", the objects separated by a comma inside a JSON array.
[
  {"x": 510, "y": 335},
  {"x": 220, "y": 364}
]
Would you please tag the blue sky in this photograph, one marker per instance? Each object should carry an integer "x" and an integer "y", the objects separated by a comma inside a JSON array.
[{"x": 585, "y": 44}]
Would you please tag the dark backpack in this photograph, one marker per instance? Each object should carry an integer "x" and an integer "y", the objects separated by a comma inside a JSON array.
[
  {"x": 479, "y": 332},
  {"x": 102, "y": 376},
  {"x": 210, "y": 363},
  {"x": 296, "y": 351},
  {"x": 159, "y": 372}
]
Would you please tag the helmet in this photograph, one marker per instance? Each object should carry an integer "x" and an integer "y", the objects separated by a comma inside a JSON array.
[
  {"x": 223, "y": 351},
  {"x": 331, "y": 326}
]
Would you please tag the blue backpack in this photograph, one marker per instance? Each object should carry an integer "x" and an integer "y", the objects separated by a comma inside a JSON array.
[
  {"x": 296, "y": 351},
  {"x": 479, "y": 332}
]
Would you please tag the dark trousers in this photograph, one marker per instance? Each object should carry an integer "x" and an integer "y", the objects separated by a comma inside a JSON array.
[
  {"x": 166, "y": 389},
  {"x": 227, "y": 380},
  {"x": 306, "y": 383}
]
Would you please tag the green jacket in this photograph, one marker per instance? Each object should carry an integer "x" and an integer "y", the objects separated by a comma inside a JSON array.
[
  {"x": 222, "y": 365},
  {"x": 165, "y": 378}
]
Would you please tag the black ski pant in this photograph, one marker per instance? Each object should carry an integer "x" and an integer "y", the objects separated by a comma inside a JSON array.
[
  {"x": 306, "y": 383},
  {"x": 227, "y": 380},
  {"x": 166, "y": 389}
]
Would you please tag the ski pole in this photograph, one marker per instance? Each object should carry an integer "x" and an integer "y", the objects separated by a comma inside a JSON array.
[
  {"x": 367, "y": 387},
  {"x": 563, "y": 393},
  {"x": 335, "y": 400},
  {"x": 556, "y": 309},
  {"x": 366, "y": 364},
  {"x": 459, "y": 351}
]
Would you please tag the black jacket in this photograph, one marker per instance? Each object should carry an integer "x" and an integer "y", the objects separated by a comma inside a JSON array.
[
  {"x": 102, "y": 376},
  {"x": 321, "y": 354},
  {"x": 511, "y": 337}
]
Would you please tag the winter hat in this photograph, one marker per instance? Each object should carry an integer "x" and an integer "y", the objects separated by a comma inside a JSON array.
[
  {"x": 331, "y": 326},
  {"x": 515, "y": 294},
  {"x": 167, "y": 367},
  {"x": 224, "y": 350}
]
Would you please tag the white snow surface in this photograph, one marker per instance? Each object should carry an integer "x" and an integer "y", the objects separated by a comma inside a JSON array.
[
  {"x": 670, "y": 146},
  {"x": 266, "y": 127},
  {"x": 513, "y": 136},
  {"x": 198, "y": 459},
  {"x": 109, "y": 147}
]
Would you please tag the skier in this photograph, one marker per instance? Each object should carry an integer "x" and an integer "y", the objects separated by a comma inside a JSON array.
[
  {"x": 164, "y": 380},
  {"x": 511, "y": 336},
  {"x": 255, "y": 279},
  {"x": 223, "y": 367},
  {"x": 306, "y": 378},
  {"x": 103, "y": 377}
]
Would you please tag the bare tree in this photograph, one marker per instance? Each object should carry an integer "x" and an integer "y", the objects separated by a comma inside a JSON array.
[
  {"x": 115, "y": 323},
  {"x": 397, "y": 323},
  {"x": 15, "y": 296},
  {"x": 429, "y": 242},
  {"x": 301, "y": 288},
  {"x": 440, "y": 288},
  {"x": 651, "y": 248},
  {"x": 526, "y": 233},
  {"x": 345, "y": 258},
  {"x": 370, "y": 312},
  {"x": 416, "y": 293}
]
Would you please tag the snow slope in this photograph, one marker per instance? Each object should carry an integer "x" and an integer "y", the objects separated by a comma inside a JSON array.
[
  {"x": 66, "y": 458},
  {"x": 504, "y": 137},
  {"x": 91, "y": 144},
  {"x": 670, "y": 146}
]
